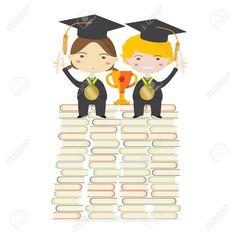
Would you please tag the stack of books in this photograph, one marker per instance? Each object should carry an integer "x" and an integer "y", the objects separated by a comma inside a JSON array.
[
  {"x": 119, "y": 166},
  {"x": 149, "y": 156}
]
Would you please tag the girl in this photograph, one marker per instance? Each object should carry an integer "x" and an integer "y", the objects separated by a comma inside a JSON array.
[{"x": 92, "y": 52}]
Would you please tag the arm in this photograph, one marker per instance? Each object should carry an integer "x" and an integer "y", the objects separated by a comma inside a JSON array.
[
  {"x": 137, "y": 89},
  {"x": 168, "y": 79},
  {"x": 70, "y": 77},
  {"x": 102, "y": 90}
]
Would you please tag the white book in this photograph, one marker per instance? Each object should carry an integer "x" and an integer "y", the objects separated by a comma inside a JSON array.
[
  {"x": 129, "y": 187},
  {"x": 162, "y": 136},
  {"x": 73, "y": 150},
  {"x": 169, "y": 172},
  {"x": 105, "y": 150},
  {"x": 133, "y": 193},
  {"x": 93, "y": 187},
  {"x": 66, "y": 215},
  {"x": 166, "y": 143},
  {"x": 70, "y": 158},
  {"x": 148, "y": 201},
  {"x": 103, "y": 129},
  {"x": 136, "y": 158},
  {"x": 65, "y": 201},
  {"x": 161, "y": 150},
  {"x": 102, "y": 215},
  {"x": 69, "y": 165},
  {"x": 62, "y": 208},
  {"x": 103, "y": 201},
  {"x": 140, "y": 215},
  {"x": 163, "y": 121},
  {"x": 137, "y": 143},
  {"x": 161, "y": 193},
  {"x": 74, "y": 122},
  {"x": 68, "y": 193},
  {"x": 78, "y": 143},
  {"x": 173, "y": 187},
  {"x": 101, "y": 193},
  {"x": 102, "y": 165},
  {"x": 162, "y": 165},
  {"x": 161, "y": 179},
  {"x": 133, "y": 150},
  {"x": 134, "y": 136},
  {"x": 67, "y": 187},
  {"x": 102, "y": 136},
  {"x": 133, "y": 165},
  {"x": 135, "y": 129},
  {"x": 72, "y": 136},
  {"x": 105, "y": 143},
  {"x": 74, "y": 172},
  {"x": 102, "y": 158},
  {"x": 73, "y": 179},
  {"x": 99, "y": 208},
  {"x": 163, "y": 129},
  {"x": 73, "y": 129},
  {"x": 164, "y": 158}
]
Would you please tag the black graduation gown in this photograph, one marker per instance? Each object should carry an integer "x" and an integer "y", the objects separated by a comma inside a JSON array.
[
  {"x": 83, "y": 102},
  {"x": 155, "y": 102}
]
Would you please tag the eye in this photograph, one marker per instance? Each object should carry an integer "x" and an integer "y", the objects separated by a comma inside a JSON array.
[
  {"x": 104, "y": 57},
  {"x": 138, "y": 58},
  {"x": 81, "y": 56},
  {"x": 157, "y": 58}
]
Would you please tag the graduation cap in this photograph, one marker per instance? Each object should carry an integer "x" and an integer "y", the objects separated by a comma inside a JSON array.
[
  {"x": 157, "y": 31},
  {"x": 89, "y": 27}
]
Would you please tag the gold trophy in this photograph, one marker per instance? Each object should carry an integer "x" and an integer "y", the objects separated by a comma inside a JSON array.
[{"x": 121, "y": 81}]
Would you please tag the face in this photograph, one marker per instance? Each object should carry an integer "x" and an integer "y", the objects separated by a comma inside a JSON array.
[
  {"x": 92, "y": 59},
  {"x": 146, "y": 63}
]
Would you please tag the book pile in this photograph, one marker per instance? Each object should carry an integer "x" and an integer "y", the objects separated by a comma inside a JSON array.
[{"x": 119, "y": 166}]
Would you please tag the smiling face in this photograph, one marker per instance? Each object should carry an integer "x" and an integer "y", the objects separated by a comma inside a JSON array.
[
  {"x": 92, "y": 59},
  {"x": 146, "y": 63},
  {"x": 145, "y": 56}
]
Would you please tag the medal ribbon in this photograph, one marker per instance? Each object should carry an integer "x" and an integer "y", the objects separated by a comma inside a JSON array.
[
  {"x": 147, "y": 82},
  {"x": 91, "y": 82}
]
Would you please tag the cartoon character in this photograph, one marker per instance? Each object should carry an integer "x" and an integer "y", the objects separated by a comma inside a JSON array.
[
  {"x": 148, "y": 53},
  {"x": 92, "y": 52}
]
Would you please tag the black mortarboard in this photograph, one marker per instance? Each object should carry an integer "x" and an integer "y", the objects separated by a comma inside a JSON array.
[
  {"x": 92, "y": 26},
  {"x": 155, "y": 30}
]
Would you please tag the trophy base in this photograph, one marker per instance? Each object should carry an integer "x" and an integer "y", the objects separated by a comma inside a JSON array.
[{"x": 121, "y": 102}]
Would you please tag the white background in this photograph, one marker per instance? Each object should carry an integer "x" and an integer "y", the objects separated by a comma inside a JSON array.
[{"x": 30, "y": 40}]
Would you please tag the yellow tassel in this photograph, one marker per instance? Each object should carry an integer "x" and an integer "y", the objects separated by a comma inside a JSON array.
[
  {"x": 177, "y": 46},
  {"x": 65, "y": 43}
]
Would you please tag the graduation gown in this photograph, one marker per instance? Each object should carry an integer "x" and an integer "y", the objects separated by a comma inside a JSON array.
[
  {"x": 83, "y": 102},
  {"x": 155, "y": 102}
]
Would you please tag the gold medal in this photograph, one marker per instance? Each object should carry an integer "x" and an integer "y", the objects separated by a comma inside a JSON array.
[
  {"x": 91, "y": 92},
  {"x": 147, "y": 92}
]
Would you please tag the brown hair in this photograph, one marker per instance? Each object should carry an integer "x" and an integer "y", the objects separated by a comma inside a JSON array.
[{"x": 106, "y": 44}]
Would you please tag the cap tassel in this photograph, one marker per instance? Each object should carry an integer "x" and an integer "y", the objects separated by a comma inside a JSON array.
[
  {"x": 65, "y": 43},
  {"x": 177, "y": 46}
]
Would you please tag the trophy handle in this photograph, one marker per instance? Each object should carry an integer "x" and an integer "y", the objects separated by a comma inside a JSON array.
[
  {"x": 135, "y": 80},
  {"x": 107, "y": 79}
]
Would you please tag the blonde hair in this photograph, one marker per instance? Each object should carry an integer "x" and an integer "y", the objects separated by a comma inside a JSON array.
[{"x": 133, "y": 43}]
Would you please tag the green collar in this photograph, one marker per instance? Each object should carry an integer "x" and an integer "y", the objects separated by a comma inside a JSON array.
[
  {"x": 147, "y": 82},
  {"x": 91, "y": 82}
]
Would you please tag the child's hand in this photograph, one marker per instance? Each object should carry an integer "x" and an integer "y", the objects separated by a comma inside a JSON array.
[
  {"x": 181, "y": 63},
  {"x": 59, "y": 63}
]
